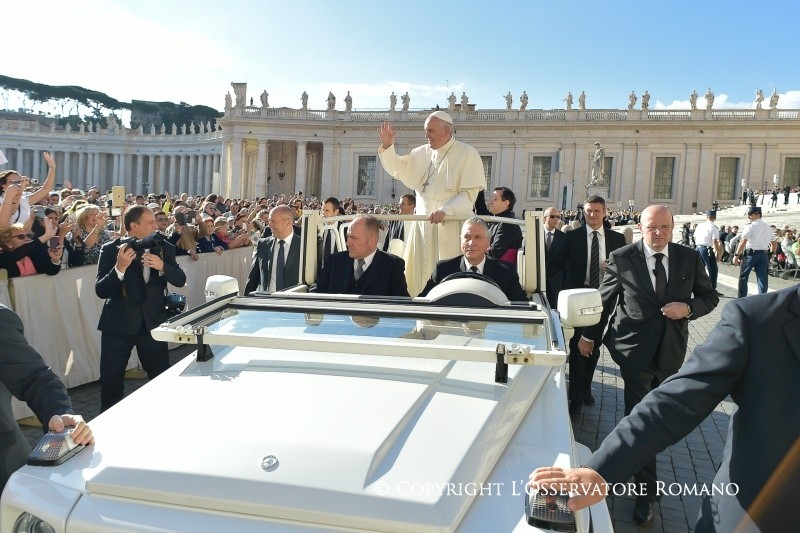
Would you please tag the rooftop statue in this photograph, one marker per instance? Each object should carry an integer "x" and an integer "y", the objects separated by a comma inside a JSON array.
[
  {"x": 582, "y": 101},
  {"x": 693, "y": 99},
  {"x": 759, "y": 98},
  {"x": 451, "y": 102},
  {"x": 568, "y": 100},
  {"x": 509, "y": 100},
  {"x": 646, "y": 100},
  {"x": 773, "y": 99},
  {"x": 631, "y": 100},
  {"x": 406, "y": 101},
  {"x": 523, "y": 101},
  {"x": 709, "y": 99},
  {"x": 392, "y": 101},
  {"x": 304, "y": 100}
]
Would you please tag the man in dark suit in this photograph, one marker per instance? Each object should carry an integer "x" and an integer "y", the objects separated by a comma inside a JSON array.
[
  {"x": 281, "y": 249},
  {"x": 582, "y": 259},
  {"x": 363, "y": 269},
  {"x": 134, "y": 288},
  {"x": 475, "y": 244},
  {"x": 24, "y": 374},
  {"x": 396, "y": 229},
  {"x": 753, "y": 355},
  {"x": 330, "y": 208},
  {"x": 505, "y": 239},
  {"x": 554, "y": 240},
  {"x": 650, "y": 290}
]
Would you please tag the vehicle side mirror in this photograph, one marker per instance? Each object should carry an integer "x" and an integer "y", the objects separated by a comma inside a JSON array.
[{"x": 579, "y": 308}]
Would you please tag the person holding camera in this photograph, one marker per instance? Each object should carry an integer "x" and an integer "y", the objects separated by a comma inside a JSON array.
[{"x": 132, "y": 277}]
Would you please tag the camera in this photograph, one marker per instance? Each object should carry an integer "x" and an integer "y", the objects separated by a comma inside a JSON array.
[
  {"x": 152, "y": 241},
  {"x": 174, "y": 303}
]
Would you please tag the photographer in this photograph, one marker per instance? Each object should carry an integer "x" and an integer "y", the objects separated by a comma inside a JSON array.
[{"x": 132, "y": 277}]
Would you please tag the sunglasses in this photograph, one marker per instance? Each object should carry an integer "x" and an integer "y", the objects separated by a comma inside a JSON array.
[
  {"x": 553, "y": 216},
  {"x": 22, "y": 236}
]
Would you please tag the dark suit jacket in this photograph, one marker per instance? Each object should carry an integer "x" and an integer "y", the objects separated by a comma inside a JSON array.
[
  {"x": 25, "y": 375},
  {"x": 131, "y": 302},
  {"x": 573, "y": 258},
  {"x": 753, "y": 354},
  {"x": 633, "y": 312},
  {"x": 395, "y": 230},
  {"x": 554, "y": 274},
  {"x": 37, "y": 252},
  {"x": 504, "y": 275},
  {"x": 261, "y": 269},
  {"x": 384, "y": 277},
  {"x": 504, "y": 236}
]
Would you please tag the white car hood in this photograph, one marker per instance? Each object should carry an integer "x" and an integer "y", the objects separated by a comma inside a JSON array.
[{"x": 362, "y": 442}]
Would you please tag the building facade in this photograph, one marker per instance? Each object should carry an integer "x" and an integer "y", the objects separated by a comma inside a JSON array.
[{"x": 685, "y": 159}]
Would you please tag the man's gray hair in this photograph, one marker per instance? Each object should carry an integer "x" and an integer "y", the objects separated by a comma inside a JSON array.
[
  {"x": 371, "y": 223},
  {"x": 474, "y": 221}
]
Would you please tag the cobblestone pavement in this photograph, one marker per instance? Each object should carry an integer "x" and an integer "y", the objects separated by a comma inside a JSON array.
[{"x": 692, "y": 461}]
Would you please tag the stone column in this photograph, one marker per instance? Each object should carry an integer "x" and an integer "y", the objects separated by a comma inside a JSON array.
[
  {"x": 122, "y": 169},
  {"x": 20, "y": 160},
  {"x": 151, "y": 174},
  {"x": 137, "y": 184},
  {"x": 181, "y": 174},
  {"x": 261, "y": 169},
  {"x": 192, "y": 173},
  {"x": 235, "y": 178},
  {"x": 300, "y": 181},
  {"x": 97, "y": 178},
  {"x": 215, "y": 167},
  {"x": 81, "y": 177},
  {"x": 326, "y": 185},
  {"x": 174, "y": 186},
  {"x": 115, "y": 170},
  {"x": 87, "y": 176},
  {"x": 37, "y": 158},
  {"x": 65, "y": 172}
]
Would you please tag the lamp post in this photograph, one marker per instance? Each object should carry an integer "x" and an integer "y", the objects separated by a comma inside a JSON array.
[
  {"x": 744, "y": 196},
  {"x": 775, "y": 180},
  {"x": 764, "y": 191}
]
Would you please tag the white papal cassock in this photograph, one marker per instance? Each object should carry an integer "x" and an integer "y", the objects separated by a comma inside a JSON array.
[{"x": 448, "y": 179}]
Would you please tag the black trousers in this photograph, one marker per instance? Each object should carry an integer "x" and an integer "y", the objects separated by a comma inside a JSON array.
[
  {"x": 637, "y": 385},
  {"x": 115, "y": 351},
  {"x": 581, "y": 369}
]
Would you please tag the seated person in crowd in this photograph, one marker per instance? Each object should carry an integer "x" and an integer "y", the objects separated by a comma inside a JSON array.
[
  {"x": 505, "y": 239},
  {"x": 90, "y": 230},
  {"x": 206, "y": 244},
  {"x": 25, "y": 255},
  {"x": 222, "y": 237},
  {"x": 475, "y": 245},
  {"x": 363, "y": 269}
]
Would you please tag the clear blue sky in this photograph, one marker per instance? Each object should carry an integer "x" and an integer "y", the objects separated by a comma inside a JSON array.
[{"x": 191, "y": 51}]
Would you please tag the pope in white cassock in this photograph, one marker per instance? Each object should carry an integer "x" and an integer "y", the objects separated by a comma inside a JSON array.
[{"x": 446, "y": 176}]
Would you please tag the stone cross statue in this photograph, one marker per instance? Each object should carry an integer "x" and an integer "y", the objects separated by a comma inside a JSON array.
[
  {"x": 709, "y": 99},
  {"x": 631, "y": 100},
  {"x": 759, "y": 98},
  {"x": 773, "y": 99},
  {"x": 598, "y": 165}
]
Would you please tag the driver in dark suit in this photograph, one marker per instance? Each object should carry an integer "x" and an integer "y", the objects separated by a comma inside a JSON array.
[
  {"x": 475, "y": 243},
  {"x": 24, "y": 374},
  {"x": 134, "y": 288},
  {"x": 363, "y": 269}
]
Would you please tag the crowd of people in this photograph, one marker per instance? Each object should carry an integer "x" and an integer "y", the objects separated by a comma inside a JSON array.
[{"x": 650, "y": 289}]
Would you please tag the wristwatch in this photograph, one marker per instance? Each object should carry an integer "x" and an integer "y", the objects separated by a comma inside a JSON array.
[{"x": 691, "y": 311}]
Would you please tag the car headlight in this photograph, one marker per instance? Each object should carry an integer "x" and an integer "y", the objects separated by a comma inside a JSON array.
[{"x": 28, "y": 523}]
